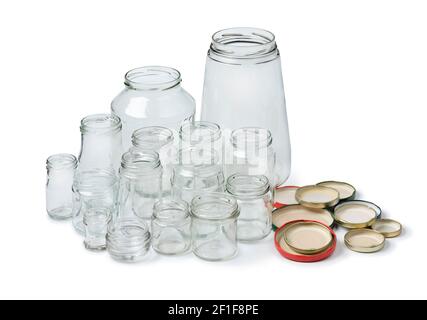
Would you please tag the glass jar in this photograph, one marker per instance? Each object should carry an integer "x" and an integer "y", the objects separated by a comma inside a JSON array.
[
  {"x": 171, "y": 227},
  {"x": 96, "y": 224},
  {"x": 140, "y": 183},
  {"x": 101, "y": 143},
  {"x": 59, "y": 195},
  {"x": 153, "y": 96},
  {"x": 253, "y": 154},
  {"x": 244, "y": 88},
  {"x": 214, "y": 226},
  {"x": 255, "y": 200},
  {"x": 203, "y": 135},
  {"x": 93, "y": 190},
  {"x": 128, "y": 239},
  {"x": 161, "y": 140},
  {"x": 197, "y": 172}
]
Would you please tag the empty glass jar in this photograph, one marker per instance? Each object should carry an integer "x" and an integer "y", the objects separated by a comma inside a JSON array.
[
  {"x": 255, "y": 200},
  {"x": 197, "y": 172},
  {"x": 96, "y": 225},
  {"x": 214, "y": 226},
  {"x": 59, "y": 195},
  {"x": 253, "y": 154},
  {"x": 171, "y": 227},
  {"x": 244, "y": 88},
  {"x": 161, "y": 140},
  {"x": 128, "y": 239},
  {"x": 140, "y": 183},
  {"x": 153, "y": 96},
  {"x": 95, "y": 191}
]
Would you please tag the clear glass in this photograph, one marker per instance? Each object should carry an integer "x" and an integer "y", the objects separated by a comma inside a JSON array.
[
  {"x": 171, "y": 227},
  {"x": 214, "y": 226},
  {"x": 161, "y": 140},
  {"x": 59, "y": 194},
  {"x": 101, "y": 143},
  {"x": 96, "y": 225},
  {"x": 197, "y": 172},
  {"x": 255, "y": 200},
  {"x": 94, "y": 190},
  {"x": 153, "y": 96},
  {"x": 244, "y": 88},
  {"x": 128, "y": 239},
  {"x": 140, "y": 183},
  {"x": 252, "y": 153}
]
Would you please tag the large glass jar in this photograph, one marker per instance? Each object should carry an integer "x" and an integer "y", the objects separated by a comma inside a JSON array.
[
  {"x": 153, "y": 96},
  {"x": 244, "y": 88}
]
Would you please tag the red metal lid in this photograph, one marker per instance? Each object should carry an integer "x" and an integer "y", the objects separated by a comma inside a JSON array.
[{"x": 285, "y": 196}]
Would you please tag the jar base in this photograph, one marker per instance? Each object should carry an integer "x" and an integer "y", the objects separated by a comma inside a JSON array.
[
  {"x": 61, "y": 213},
  {"x": 172, "y": 249},
  {"x": 209, "y": 252}
]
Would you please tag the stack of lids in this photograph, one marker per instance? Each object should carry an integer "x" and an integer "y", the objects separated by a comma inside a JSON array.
[{"x": 305, "y": 216}]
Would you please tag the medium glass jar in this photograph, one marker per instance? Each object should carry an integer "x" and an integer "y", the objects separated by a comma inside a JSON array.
[
  {"x": 253, "y": 153},
  {"x": 244, "y": 88},
  {"x": 197, "y": 172},
  {"x": 153, "y": 96},
  {"x": 140, "y": 183},
  {"x": 214, "y": 226},
  {"x": 161, "y": 140},
  {"x": 171, "y": 227},
  {"x": 59, "y": 195},
  {"x": 255, "y": 200}
]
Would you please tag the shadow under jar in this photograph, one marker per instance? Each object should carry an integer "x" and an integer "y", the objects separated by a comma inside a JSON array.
[
  {"x": 59, "y": 194},
  {"x": 171, "y": 227},
  {"x": 255, "y": 200},
  {"x": 253, "y": 153},
  {"x": 153, "y": 96},
  {"x": 161, "y": 140},
  {"x": 214, "y": 226},
  {"x": 243, "y": 87},
  {"x": 197, "y": 172}
]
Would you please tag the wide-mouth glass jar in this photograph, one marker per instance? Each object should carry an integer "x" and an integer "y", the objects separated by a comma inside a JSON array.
[
  {"x": 255, "y": 199},
  {"x": 171, "y": 227},
  {"x": 214, "y": 226},
  {"x": 202, "y": 134}
]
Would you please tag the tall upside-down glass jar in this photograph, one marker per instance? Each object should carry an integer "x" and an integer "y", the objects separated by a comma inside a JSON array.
[
  {"x": 140, "y": 184},
  {"x": 153, "y": 96},
  {"x": 244, "y": 88},
  {"x": 255, "y": 199},
  {"x": 161, "y": 140}
]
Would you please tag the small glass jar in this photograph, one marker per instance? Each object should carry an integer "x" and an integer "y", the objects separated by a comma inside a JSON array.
[
  {"x": 214, "y": 226},
  {"x": 255, "y": 200},
  {"x": 96, "y": 225},
  {"x": 59, "y": 195},
  {"x": 140, "y": 183},
  {"x": 203, "y": 135},
  {"x": 161, "y": 140},
  {"x": 171, "y": 227},
  {"x": 197, "y": 172},
  {"x": 253, "y": 153},
  {"x": 128, "y": 239},
  {"x": 93, "y": 190}
]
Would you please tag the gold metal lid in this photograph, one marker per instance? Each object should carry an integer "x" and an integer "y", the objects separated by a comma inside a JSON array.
[
  {"x": 354, "y": 215},
  {"x": 387, "y": 227},
  {"x": 308, "y": 237},
  {"x": 291, "y": 213},
  {"x": 364, "y": 240},
  {"x": 317, "y": 197},
  {"x": 346, "y": 190}
]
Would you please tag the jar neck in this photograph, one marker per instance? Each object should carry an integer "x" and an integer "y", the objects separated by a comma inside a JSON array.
[
  {"x": 243, "y": 45},
  {"x": 246, "y": 186},
  {"x": 100, "y": 124},
  {"x": 171, "y": 210},
  {"x": 245, "y": 138},
  {"x": 153, "y": 78},
  {"x": 152, "y": 138},
  {"x": 137, "y": 163},
  {"x": 61, "y": 161},
  {"x": 214, "y": 207},
  {"x": 199, "y": 132}
]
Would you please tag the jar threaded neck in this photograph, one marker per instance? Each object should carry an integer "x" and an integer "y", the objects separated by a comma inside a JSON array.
[{"x": 152, "y": 78}]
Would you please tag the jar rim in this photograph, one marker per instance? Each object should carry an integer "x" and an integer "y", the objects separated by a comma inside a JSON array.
[
  {"x": 100, "y": 123},
  {"x": 95, "y": 181},
  {"x": 152, "y": 78},
  {"x": 251, "y": 135},
  {"x": 136, "y": 162},
  {"x": 169, "y": 204},
  {"x": 229, "y": 207},
  {"x": 241, "y": 185},
  {"x": 152, "y": 138},
  {"x": 61, "y": 161},
  {"x": 243, "y": 43},
  {"x": 198, "y": 131}
]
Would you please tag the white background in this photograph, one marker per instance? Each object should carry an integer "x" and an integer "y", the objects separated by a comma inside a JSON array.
[{"x": 355, "y": 76}]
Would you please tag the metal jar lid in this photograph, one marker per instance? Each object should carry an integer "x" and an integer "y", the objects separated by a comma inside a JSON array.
[
  {"x": 291, "y": 213},
  {"x": 318, "y": 197},
  {"x": 346, "y": 190},
  {"x": 285, "y": 196},
  {"x": 387, "y": 227},
  {"x": 364, "y": 240}
]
